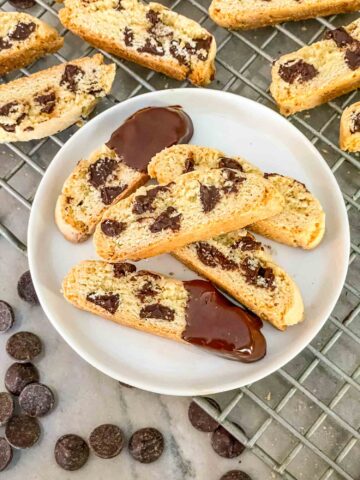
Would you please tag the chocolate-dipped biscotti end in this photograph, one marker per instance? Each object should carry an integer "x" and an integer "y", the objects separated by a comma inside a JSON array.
[
  {"x": 193, "y": 312},
  {"x": 350, "y": 128}
]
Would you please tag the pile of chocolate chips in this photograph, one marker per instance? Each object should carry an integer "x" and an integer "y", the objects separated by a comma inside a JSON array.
[
  {"x": 224, "y": 444},
  {"x": 26, "y": 399}
]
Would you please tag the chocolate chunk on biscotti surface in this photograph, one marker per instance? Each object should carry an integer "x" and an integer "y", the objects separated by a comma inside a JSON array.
[
  {"x": 246, "y": 14},
  {"x": 148, "y": 34},
  {"x": 192, "y": 311},
  {"x": 51, "y": 100},
  {"x": 318, "y": 73},
  {"x": 196, "y": 206},
  {"x": 350, "y": 128},
  {"x": 240, "y": 265},
  {"x": 24, "y": 39}
]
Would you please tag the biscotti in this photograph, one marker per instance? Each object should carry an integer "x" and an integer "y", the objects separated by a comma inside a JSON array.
[
  {"x": 196, "y": 206},
  {"x": 300, "y": 224},
  {"x": 117, "y": 168},
  {"x": 51, "y": 100},
  {"x": 239, "y": 264},
  {"x": 318, "y": 73},
  {"x": 248, "y": 14},
  {"x": 192, "y": 312},
  {"x": 350, "y": 128},
  {"x": 24, "y": 39},
  {"x": 147, "y": 34}
]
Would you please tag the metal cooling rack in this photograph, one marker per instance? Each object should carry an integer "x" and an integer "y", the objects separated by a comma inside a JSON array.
[{"x": 303, "y": 421}]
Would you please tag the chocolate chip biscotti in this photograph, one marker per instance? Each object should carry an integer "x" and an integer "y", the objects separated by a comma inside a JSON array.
[
  {"x": 24, "y": 39},
  {"x": 51, "y": 100},
  {"x": 318, "y": 73},
  {"x": 239, "y": 265},
  {"x": 148, "y": 34},
  {"x": 350, "y": 128},
  {"x": 196, "y": 206},
  {"x": 260, "y": 13},
  {"x": 192, "y": 312},
  {"x": 300, "y": 224}
]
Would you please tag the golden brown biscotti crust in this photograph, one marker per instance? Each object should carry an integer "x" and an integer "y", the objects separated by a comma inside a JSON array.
[{"x": 350, "y": 128}]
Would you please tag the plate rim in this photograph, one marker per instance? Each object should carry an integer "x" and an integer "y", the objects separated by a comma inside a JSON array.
[{"x": 146, "y": 385}]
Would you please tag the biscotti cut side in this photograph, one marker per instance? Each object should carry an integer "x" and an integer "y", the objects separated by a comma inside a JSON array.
[
  {"x": 350, "y": 128},
  {"x": 318, "y": 73},
  {"x": 239, "y": 264},
  {"x": 51, "y": 100},
  {"x": 196, "y": 206},
  {"x": 95, "y": 183},
  {"x": 147, "y": 34},
  {"x": 24, "y": 39},
  {"x": 246, "y": 14}
]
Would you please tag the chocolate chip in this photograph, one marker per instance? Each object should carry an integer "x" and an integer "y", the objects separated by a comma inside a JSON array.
[
  {"x": 108, "y": 194},
  {"x": 352, "y": 57},
  {"x": 6, "y": 408},
  {"x": 209, "y": 197},
  {"x": 225, "y": 444},
  {"x": 354, "y": 128},
  {"x": 22, "y": 431},
  {"x": 297, "y": 70},
  {"x": 232, "y": 181},
  {"x": 26, "y": 290},
  {"x": 158, "y": 311},
  {"x": 100, "y": 170},
  {"x": 201, "y": 420},
  {"x": 225, "y": 162},
  {"x": 340, "y": 37},
  {"x": 128, "y": 37},
  {"x": 146, "y": 273},
  {"x": 106, "y": 441},
  {"x": 71, "y": 452},
  {"x": 6, "y": 454},
  {"x": 22, "y": 31},
  {"x": 18, "y": 375},
  {"x": 145, "y": 203},
  {"x": 47, "y": 102},
  {"x": 212, "y": 257},
  {"x": 247, "y": 243},
  {"x": 153, "y": 17},
  {"x": 178, "y": 52},
  {"x": 235, "y": 475},
  {"x": 22, "y": 4},
  {"x": 147, "y": 290},
  {"x": 152, "y": 46},
  {"x": 146, "y": 445},
  {"x": 109, "y": 302},
  {"x": 71, "y": 76},
  {"x": 24, "y": 346},
  {"x": 6, "y": 317},
  {"x": 201, "y": 44},
  {"x": 36, "y": 400},
  {"x": 256, "y": 274},
  {"x": 189, "y": 165},
  {"x": 8, "y": 128},
  {"x": 166, "y": 220},
  {"x": 10, "y": 107},
  {"x": 112, "y": 228},
  {"x": 122, "y": 269},
  {"x": 5, "y": 44}
]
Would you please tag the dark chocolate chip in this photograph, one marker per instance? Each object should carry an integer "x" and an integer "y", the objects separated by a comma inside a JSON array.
[
  {"x": 128, "y": 37},
  {"x": 232, "y": 181},
  {"x": 10, "y": 107},
  {"x": 71, "y": 452},
  {"x": 235, "y": 475},
  {"x": 297, "y": 70},
  {"x": 247, "y": 243},
  {"x": 122, "y": 269},
  {"x": 189, "y": 165},
  {"x": 147, "y": 290},
  {"x": 6, "y": 454},
  {"x": 256, "y": 274},
  {"x": 6, "y": 408},
  {"x": 5, "y": 44},
  {"x": 29, "y": 129},
  {"x": 112, "y": 228},
  {"x": 201, "y": 420},
  {"x": 146, "y": 273},
  {"x": 8, "y": 128},
  {"x": 200, "y": 44},
  {"x": 352, "y": 57},
  {"x": 212, "y": 257},
  {"x": 100, "y": 170},
  {"x": 152, "y": 46},
  {"x": 22, "y": 4},
  {"x": 36, "y": 400},
  {"x": 106, "y": 441},
  {"x": 18, "y": 375},
  {"x": 22, "y": 31},
  {"x": 153, "y": 17},
  {"x": 225, "y": 162},
  {"x": 108, "y": 194},
  {"x": 177, "y": 52},
  {"x": 24, "y": 346},
  {"x": 158, "y": 311},
  {"x": 166, "y": 220},
  {"x": 225, "y": 444},
  {"x": 209, "y": 197},
  {"x": 145, "y": 203},
  {"x": 340, "y": 37},
  {"x": 22, "y": 431},
  {"x": 109, "y": 302},
  {"x": 354, "y": 128},
  {"x": 6, "y": 317},
  {"x": 47, "y": 102},
  {"x": 146, "y": 445},
  {"x": 26, "y": 289},
  {"x": 71, "y": 76}
]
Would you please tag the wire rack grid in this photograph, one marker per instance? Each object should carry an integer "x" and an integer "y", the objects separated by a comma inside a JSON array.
[{"x": 303, "y": 421}]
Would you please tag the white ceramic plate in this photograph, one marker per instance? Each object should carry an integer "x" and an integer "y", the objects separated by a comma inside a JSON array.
[{"x": 237, "y": 126}]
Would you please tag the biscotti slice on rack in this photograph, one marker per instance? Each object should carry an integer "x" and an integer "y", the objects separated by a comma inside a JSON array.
[
  {"x": 196, "y": 206},
  {"x": 192, "y": 312},
  {"x": 350, "y": 128},
  {"x": 301, "y": 223},
  {"x": 239, "y": 264},
  {"x": 24, "y": 39},
  {"x": 51, "y": 100},
  {"x": 148, "y": 34},
  {"x": 318, "y": 73},
  {"x": 247, "y": 14}
]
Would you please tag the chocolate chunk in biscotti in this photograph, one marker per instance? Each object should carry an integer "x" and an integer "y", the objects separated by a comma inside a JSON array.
[
  {"x": 123, "y": 269},
  {"x": 71, "y": 452},
  {"x": 106, "y": 441},
  {"x": 22, "y": 31},
  {"x": 24, "y": 346},
  {"x": 22, "y": 431},
  {"x": 26, "y": 289},
  {"x": 6, "y": 407},
  {"x": 6, "y": 454},
  {"x": 22, "y": 4},
  {"x": 109, "y": 302},
  {"x": 225, "y": 444},
  {"x": 6, "y": 316},
  {"x": 18, "y": 375},
  {"x": 36, "y": 400},
  {"x": 297, "y": 70},
  {"x": 201, "y": 420},
  {"x": 146, "y": 445},
  {"x": 235, "y": 475}
]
